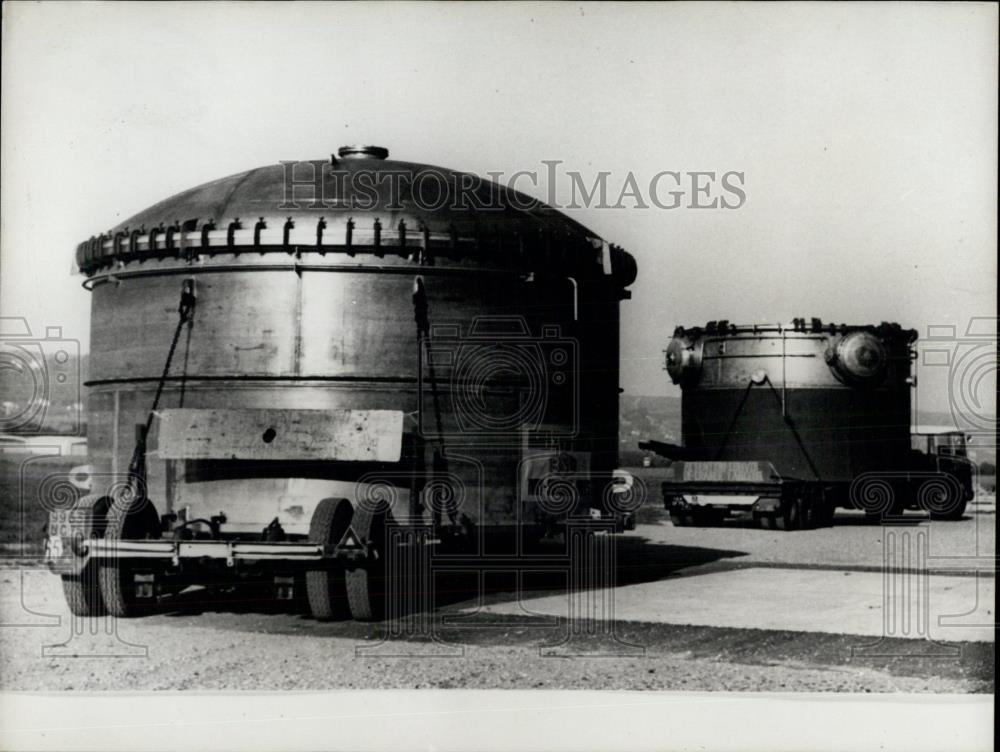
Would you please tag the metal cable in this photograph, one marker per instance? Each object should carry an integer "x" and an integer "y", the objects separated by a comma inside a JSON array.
[
  {"x": 732, "y": 423},
  {"x": 791, "y": 425},
  {"x": 785, "y": 418},
  {"x": 185, "y": 309},
  {"x": 420, "y": 315}
]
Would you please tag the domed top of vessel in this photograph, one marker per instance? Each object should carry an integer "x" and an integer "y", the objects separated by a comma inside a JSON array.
[
  {"x": 360, "y": 202},
  {"x": 809, "y": 352}
]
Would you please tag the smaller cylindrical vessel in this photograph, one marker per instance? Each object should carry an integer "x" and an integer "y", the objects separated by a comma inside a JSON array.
[
  {"x": 789, "y": 422},
  {"x": 820, "y": 402}
]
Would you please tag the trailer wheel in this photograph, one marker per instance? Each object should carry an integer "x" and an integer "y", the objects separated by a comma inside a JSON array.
[
  {"x": 825, "y": 502},
  {"x": 810, "y": 512},
  {"x": 133, "y": 519},
  {"x": 83, "y": 592},
  {"x": 823, "y": 512},
  {"x": 789, "y": 517},
  {"x": 325, "y": 588},
  {"x": 366, "y": 583}
]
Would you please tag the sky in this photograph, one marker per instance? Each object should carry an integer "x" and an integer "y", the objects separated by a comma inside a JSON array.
[{"x": 866, "y": 135}]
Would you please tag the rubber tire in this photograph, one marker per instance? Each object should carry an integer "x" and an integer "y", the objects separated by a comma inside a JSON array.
[
  {"x": 83, "y": 592},
  {"x": 680, "y": 520},
  {"x": 326, "y": 590},
  {"x": 823, "y": 513},
  {"x": 809, "y": 514},
  {"x": 951, "y": 515},
  {"x": 135, "y": 521},
  {"x": 790, "y": 515},
  {"x": 366, "y": 583},
  {"x": 826, "y": 506}
]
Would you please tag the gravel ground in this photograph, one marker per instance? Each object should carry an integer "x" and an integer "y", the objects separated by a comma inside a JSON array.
[
  {"x": 239, "y": 651},
  {"x": 223, "y": 646}
]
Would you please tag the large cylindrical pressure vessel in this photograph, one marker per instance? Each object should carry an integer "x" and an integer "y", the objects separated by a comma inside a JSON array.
[
  {"x": 818, "y": 401},
  {"x": 488, "y": 320}
]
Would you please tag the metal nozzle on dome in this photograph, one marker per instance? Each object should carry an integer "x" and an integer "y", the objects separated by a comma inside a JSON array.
[{"x": 362, "y": 152}]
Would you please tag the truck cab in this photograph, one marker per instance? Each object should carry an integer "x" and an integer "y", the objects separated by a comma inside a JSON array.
[
  {"x": 943, "y": 450},
  {"x": 939, "y": 440}
]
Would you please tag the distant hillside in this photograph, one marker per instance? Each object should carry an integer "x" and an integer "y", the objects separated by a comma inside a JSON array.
[{"x": 643, "y": 418}]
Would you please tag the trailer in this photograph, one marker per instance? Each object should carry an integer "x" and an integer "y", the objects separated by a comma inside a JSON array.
[{"x": 789, "y": 422}]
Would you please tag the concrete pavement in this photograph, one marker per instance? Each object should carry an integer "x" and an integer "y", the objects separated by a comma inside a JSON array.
[{"x": 907, "y": 605}]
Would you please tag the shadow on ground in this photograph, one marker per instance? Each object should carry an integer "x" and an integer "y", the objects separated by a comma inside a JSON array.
[{"x": 465, "y": 582}]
